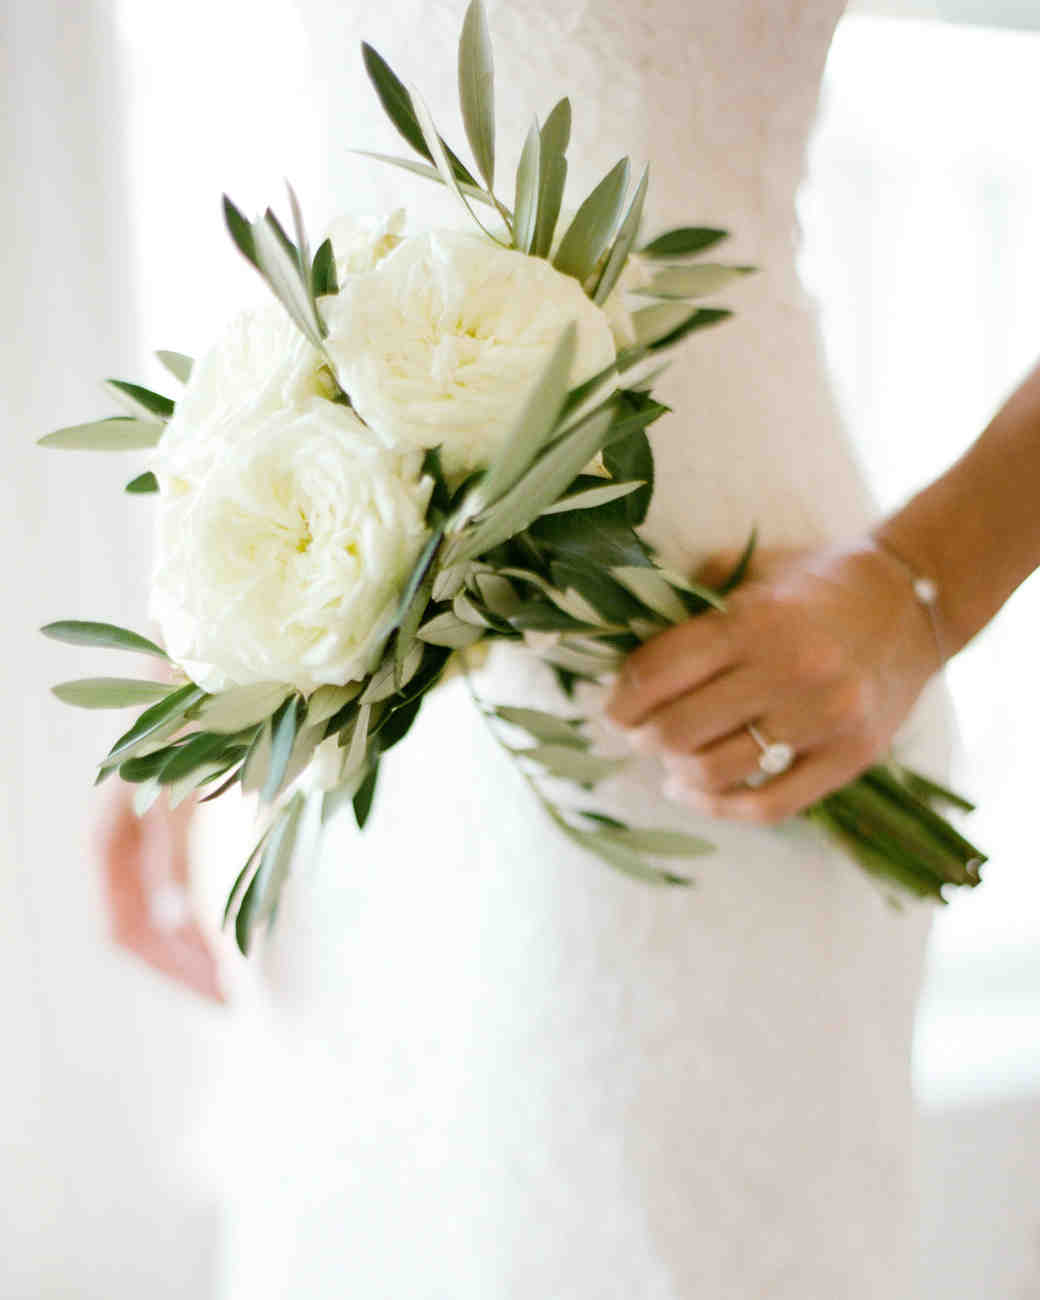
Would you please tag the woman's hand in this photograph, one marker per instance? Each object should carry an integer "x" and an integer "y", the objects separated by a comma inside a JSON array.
[
  {"x": 825, "y": 651},
  {"x": 145, "y": 866}
]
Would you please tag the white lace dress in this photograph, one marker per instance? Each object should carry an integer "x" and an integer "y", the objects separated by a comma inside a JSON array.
[{"x": 492, "y": 1069}]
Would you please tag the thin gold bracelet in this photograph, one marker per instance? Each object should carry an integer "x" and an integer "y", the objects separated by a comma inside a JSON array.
[{"x": 926, "y": 593}]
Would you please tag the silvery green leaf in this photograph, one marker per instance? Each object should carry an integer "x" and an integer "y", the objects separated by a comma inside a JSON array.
[
  {"x": 589, "y": 498},
  {"x": 143, "y": 483},
  {"x": 440, "y": 158},
  {"x": 619, "y": 856},
  {"x": 323, "y": 271},
  {"x": 177, "y": 364},
  {"x": 307, "y": 741},
  {"x": 497, "y": 593},
  {"x": 430, "y": 172},
  {"x": 572, "y": 764},
  {"x": 284, "y": 728},
  {"x": 242, "y": 706},
  {"x": 694, "y": 588},
  {"x": 257, "y": 761},
  {"x": 303, "y": 248},
  {"x": 449, "y": 581},
  {"x": 141, "y": 403},
  {"x": 685, "y": 241},
  {"x": 276, "y": 860},
  {"x": 168, "y": 713},
  {"x": 623, "y": 242},
  {"x": 397, "y": 104},
  {"x": 101, "y": 634},
  {"x": 327, "y": 701},
  {"x": 538, "y": 488},
  {"x": 465, "y": 610},
  {"x": 548, "y": 727},
  {"x": 656, "y": 593},
  {"x": 179, "y": 790},
  {"x": 525, "y": 205},
  {"x": 409, "y": 665},
  {"x": 477, "y": 89},
  {"x": 696, "y": 281},
  {"x": 118, "y": 433},
  {"x": 447, "y": 630},
  {"x": 552, "y": 176},
  {"x": 661, "y": 843},
  {"x": 594, "y": 223},
  {"x": 359, "y": 740},
  {"x": 654, "y": 323},
  {"x": 701, "y": 318},
  {"x": 110, "y": 692},
  {"x": 537, "y": 419},
  {"x": 572, "y": 602},
  {"x": 579, "y": 661},
  {"x": 381, "y": 683},
  {"x": 145, "y": 795},
  {"x": 282, "y": 273},
  {"x": 556, "y": 133},
  {"x": 646, "y": 381}
]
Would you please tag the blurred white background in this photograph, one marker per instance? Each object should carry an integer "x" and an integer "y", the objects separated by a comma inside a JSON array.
[{"x": 124, "y": 121}]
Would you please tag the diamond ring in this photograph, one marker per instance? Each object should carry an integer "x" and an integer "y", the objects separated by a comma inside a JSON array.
[{"x": 775, "y": 756}]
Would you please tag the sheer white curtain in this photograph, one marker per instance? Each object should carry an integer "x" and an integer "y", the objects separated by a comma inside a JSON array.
[{"x": 105, "y": 1068}]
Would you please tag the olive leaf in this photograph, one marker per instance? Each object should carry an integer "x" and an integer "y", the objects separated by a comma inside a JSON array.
[
  {"x": 101, "y": 634},
  {"x": 552, "y": 176},
  {"x": 697, "y": 281},
  {"x": 110, "y": 692},
  {"x": 141, "y": 403},
  {"x": 177, "y": 364},
  {"x": 440, "y": 159},
  {"x": 397, "y": 104},
  {"x": 242, "y": 706},
  {"x": 623, "y": 242},
  {"x": 589, "y": 498},
  {"x": 684, "y": 241},
  {"x": 447, "y": 629},
  {"x": 589, "y": 234},
  {"x": 536, "y": 421},
  {"x": 143, "y": 483},
  {"x": 476, "y": 89},
  {"x": 117, "y": 433},
  {"x": 528, "y": 183},
  {"x": 428, "y": 171}
]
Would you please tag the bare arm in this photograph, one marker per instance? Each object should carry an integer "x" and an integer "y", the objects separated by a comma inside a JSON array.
[
  {"x": 828, "y": 649},
  {"x": 976, "y": 529}
]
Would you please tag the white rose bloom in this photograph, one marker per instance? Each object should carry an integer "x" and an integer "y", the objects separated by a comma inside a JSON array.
[
  {"x": 443, "y": 340},
  {"x": 260, "y": 365},
  {"x": 359, "y": 243},
  {"x": 284, "y": 560}
]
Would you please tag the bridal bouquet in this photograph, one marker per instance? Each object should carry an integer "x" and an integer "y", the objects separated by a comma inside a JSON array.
[{"x": 430, "y": 441}]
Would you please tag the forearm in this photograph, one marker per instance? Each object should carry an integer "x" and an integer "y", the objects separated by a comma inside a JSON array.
[{"x": 976, "y": 529}]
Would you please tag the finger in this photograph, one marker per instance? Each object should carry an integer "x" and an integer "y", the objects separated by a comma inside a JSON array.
[
  {"x": 704, "y": 715},
  {"x": 803, "y": 724},
  {"x": 670, "y": 664},
  {"x": 813, "y": 776},
  {"x": 184, "y": 957}
]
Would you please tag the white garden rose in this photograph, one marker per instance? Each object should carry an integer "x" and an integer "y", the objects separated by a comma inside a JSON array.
[
  {"x": 442, "y": 342},
  {"x": 284, "y": 561},
  {"x": 360, "y": 243},
  {"x": 260, "y": 365}
]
